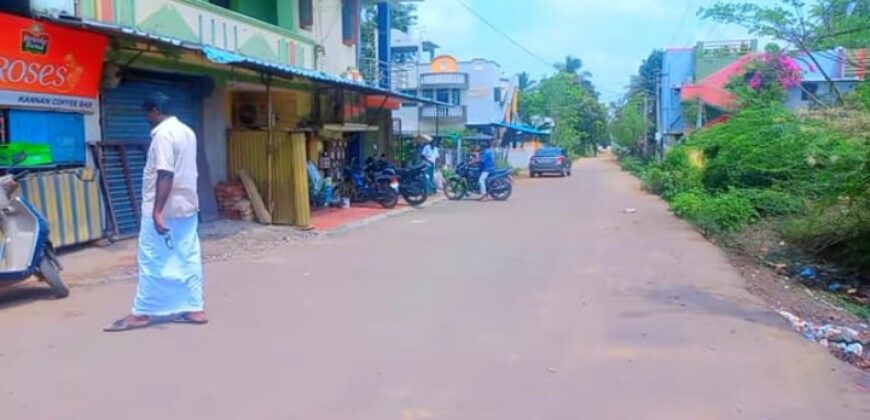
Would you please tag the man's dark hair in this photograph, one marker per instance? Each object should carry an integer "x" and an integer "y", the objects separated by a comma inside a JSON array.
[{"x": 157, "y": 101}]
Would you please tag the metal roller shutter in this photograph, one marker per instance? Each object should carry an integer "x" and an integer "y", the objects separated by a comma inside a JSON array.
[{"x": 126, "y": 135}]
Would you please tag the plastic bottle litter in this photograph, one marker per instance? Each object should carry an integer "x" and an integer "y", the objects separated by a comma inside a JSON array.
[
  {"x": 835, "y": 287},
  {"x": 855, "y": 348},
  {"x": 808, "y": 273}
]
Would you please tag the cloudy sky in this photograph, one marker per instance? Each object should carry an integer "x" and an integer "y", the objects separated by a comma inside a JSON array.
[{"x": 612, "y": 37}]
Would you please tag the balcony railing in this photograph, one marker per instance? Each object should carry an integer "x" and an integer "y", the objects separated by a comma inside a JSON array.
[
  {"x": 459, "y": 80},
  {"x": 456, "y": 112},
  {"x": 385, "y": 75}
]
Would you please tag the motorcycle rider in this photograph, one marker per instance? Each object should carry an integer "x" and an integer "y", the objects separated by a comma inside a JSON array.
[{"x": 487, "y": 166}]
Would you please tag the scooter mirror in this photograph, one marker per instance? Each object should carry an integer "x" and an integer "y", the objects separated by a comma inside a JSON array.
[{"x": 19, "y": 157}]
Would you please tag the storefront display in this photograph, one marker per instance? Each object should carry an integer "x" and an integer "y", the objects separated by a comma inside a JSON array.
[{"x": 49, "y": 82}]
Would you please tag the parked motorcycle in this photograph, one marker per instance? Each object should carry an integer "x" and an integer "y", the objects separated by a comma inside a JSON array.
[
  {"x": 412, "y": 180},
  {"x": 363, "y": 185},
  {"x": 25, "y": 249},
  {"x": 499, "y": 184}
]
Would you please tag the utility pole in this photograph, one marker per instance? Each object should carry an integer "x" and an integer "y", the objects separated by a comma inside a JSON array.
[
  {"x": 660, "y": 137},
  {"x": 645, "y": 141}
]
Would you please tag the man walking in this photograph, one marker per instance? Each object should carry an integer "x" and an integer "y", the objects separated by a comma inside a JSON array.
[{"x": 170, "y": 262}]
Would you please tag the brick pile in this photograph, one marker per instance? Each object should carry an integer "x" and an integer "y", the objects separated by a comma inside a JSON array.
[{"x": 233, "y": 202}]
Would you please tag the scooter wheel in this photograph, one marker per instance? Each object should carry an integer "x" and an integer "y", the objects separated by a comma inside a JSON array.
[{"x": 48, "y": 273}]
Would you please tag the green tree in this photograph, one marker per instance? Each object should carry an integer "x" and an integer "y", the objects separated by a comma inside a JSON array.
[
  {"x": 649, "y": 72},
  {"x": 580, "y": 119},
  {"x": 403, "y": 17},
  {"x": 628, "y": 125},
  {"x": 573, "y": 65},
  {"x": 525, "y": 81}
]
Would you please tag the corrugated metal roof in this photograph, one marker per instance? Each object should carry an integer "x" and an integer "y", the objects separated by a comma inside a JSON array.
[{"x": 230, "y": 58}]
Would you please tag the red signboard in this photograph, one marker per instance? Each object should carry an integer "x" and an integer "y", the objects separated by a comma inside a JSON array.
[{"x": 45, "y": 65}]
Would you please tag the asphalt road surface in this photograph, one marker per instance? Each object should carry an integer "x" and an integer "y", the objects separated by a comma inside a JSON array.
[{"x": 554, "y": 305}]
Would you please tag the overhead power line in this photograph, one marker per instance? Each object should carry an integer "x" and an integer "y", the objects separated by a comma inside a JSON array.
[
  {"x": 682, "y": 21},
  {"x": 504, "y": 34}
]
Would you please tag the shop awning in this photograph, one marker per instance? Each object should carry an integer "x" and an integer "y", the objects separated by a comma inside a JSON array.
[
  {"x": 230, "y": 58},
  {"x": 225, "y": 57},
  {"x": 350, "y": 128},
  {"x": 522, "y": 129}
]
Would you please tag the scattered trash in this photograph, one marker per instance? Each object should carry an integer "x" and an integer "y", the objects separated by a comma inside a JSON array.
[
  {"x": 808, "y": 273},
  {"x": 842, "y": 341},
  {"x": 630, "y": 211},
  {"x": 855, "y": 348},
  {"x": 835, "y": 287}
]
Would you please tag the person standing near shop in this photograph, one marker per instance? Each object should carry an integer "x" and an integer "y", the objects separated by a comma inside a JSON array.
[
  {"x": 170, "y": 284},
  {"x": 431, "y": 154}
]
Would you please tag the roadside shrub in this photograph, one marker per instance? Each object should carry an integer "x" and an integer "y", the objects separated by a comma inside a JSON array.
[
  {"x": 721, "y": 213},
  {"x": 757, "y": 148},
  {"x": 632, "y": 165},
  {"x": 680, "y": 172},
  {"x": 837, "y": 232},
  {"x": 773, "y": 203}
]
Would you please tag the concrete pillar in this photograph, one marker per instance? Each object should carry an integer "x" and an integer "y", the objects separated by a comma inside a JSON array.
[
  {"x": 385, "y": 57},
  {"x": 301, "y": 206}
]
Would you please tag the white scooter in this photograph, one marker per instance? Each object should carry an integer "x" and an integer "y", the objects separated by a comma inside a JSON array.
[{"x": 25, "y": 249}]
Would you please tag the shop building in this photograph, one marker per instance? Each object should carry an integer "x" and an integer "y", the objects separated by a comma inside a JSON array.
[{"x": 258, "y": 82}]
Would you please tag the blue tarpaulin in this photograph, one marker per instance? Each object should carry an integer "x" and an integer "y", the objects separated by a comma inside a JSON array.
[{"x": 523, "y": 129}]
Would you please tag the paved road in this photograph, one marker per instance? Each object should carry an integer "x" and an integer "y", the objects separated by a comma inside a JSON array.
[{"x": 555, "y": 305}]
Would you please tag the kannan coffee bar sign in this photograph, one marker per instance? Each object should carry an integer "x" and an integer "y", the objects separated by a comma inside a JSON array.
[{"x": 48, "y": 66}]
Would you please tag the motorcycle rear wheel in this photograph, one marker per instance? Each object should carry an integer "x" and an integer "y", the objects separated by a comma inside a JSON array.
[
  {"x": 455, "y": 189},
  {"x": 502, "y": 190},
  {"x": 389, "y": 197},
  {"x": 49, "y": 274},
  {"x": 414, "y": 199}
]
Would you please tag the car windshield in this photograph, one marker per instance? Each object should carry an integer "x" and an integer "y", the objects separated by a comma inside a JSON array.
[{"x": 549, "y": 152}]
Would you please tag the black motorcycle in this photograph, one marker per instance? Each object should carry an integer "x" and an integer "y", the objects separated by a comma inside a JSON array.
[
  {"x": 499, "y": 184},
  {"x": 366, "y": 184},
  {"x": 412, "y": 180}
]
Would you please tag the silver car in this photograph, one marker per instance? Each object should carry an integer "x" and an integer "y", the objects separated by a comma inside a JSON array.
[{"x": 550, "y": 160}]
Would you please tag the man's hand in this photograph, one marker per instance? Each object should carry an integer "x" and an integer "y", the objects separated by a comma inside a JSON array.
[{"x": 159, "y": 223}]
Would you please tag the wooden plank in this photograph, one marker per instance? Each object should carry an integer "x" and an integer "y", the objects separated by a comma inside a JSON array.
[{"x": 260, "y": 209}]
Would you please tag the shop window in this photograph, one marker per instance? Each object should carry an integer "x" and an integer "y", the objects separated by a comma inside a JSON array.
[
  {"x": 63, "y": 132},
  {"x": 264, "y": 10},
  {"x": 350, "y": 12},
  {"x": 428, "y": 93},
  {"x": 442, "y": 95},
  {"x": 306, "y": 14},
  {"x": 410, "y": 92},
  {"x": 456, "y": 97},
  {"x": 809, "y": 88}
]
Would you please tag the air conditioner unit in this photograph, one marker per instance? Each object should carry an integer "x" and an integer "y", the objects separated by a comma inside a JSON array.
[{"x": 251, "y": 114}]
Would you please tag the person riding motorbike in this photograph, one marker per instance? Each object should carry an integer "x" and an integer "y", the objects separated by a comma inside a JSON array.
[{"x": 486, "y": 163}]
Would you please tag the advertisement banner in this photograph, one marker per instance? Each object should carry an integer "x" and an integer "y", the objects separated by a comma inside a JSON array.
[{"x": 48, "y": 66}]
